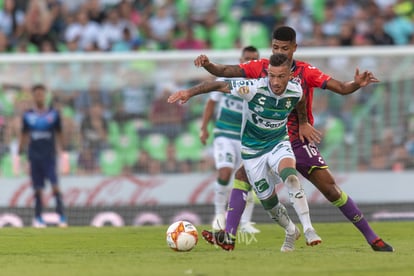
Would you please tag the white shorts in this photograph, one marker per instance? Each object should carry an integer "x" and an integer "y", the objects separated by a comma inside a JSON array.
[
  {"x": 227, "y": 153},
  {"x": 262, "y": 171}
]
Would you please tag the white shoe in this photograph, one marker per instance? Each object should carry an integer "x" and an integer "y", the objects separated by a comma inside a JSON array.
[
  {"x": 289, "y": 243},
  {"x": 219, "y": 222},
  {"x": 312, "y": 238},
  {"x": 248, "y": 227},
  {"x": 38, "y": 223}
]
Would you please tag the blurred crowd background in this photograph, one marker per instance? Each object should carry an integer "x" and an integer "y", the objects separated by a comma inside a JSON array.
[
  {"x": 129, "y": 128},
  {"x": 128, "y": 25}
]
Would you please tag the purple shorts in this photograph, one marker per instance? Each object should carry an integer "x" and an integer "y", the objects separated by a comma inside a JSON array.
[{"x": 308, "y": 158}]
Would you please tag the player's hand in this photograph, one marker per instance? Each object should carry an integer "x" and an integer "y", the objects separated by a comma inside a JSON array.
[
  {"x": 182, "y": 96},
  {"x": 204, "y": 136},
  {"x": 365, "y": 78},
  {"x": 308, "y": 132},
  {"x": 201, "y": 61}
]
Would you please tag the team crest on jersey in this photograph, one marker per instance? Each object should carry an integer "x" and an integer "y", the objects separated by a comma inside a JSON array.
[
  {"x": 288, "y": 103},
  {"x": 243, "y": 90}
]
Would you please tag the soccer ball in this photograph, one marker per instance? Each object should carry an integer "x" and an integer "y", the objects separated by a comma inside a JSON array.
[{"x": 182, "y": 236}]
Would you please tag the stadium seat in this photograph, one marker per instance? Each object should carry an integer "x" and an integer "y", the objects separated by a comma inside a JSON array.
[
  {"x": 335, "y": 132},
  {"x": 6, "y": 104},
  {"x": 223, "y": 36},
  {"x": 224, "y": 9},
  {"x": 194, "y": 128},
  {"x": 11, "y": 166},
  {"x": 156, "y": 144},
  {"x": 110, "y": 162},
  {"x": 200, "y": 32},
  {"x": 188, "y": 147},
  {"x": 254, "y": 34},
  {"x": 182, "y": 8},
  {"x": 125, "y": 141}
]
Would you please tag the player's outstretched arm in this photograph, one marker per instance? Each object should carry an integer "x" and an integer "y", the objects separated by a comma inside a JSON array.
[
  {"x": 205, "y": 87},
  {"x": 360, "y": 80},
  {"x": 219, "y": 70}
]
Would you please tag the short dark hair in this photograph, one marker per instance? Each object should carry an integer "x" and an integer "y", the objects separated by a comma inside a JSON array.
[
  {"x": 250, "y": 49},
  {"x": 285, "y": 33},
  {"x": 38, "y": 86},
  {"x": 279, "y": 59}
]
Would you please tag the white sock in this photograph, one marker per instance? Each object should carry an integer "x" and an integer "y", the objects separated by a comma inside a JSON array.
[
  {"x": 248, "y": 210},
  {"x": 298, "y": 199},
  {"x": 221, "y": 195},
  {"x": 280, "y": 215}
]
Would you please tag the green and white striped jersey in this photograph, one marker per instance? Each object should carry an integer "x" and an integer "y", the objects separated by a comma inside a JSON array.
[
  {"x": 229, "y": 113},
  {"x": 265, "y": 114}
]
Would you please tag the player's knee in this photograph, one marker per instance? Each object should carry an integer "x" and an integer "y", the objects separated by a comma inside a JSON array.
[
  {"x": 292, "y": 182},
  {"x": 241, "y": 174},
  {"x": 332, "y": 193}
]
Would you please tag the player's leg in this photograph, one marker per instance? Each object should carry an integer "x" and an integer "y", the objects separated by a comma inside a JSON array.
[
  {"x": 263, "y": 184},
  {"x": 246, "y": 224},
  {"x": 221, "y": 192},
  {"x": 53, "y": 178},
  {"x": 312, "y": 166},
  {"x": 324, "y": 181},
  {"x": 225, "y": 158},
  {"x": 237, "y": 201},
  {"x": 38, "y": 182},
  {"x": 284, "y": 162}
]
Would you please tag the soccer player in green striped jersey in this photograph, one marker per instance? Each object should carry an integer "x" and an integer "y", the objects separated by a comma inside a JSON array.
[
  {"x": 226, "y": 147},
  {"x": 266, "y": 151}
]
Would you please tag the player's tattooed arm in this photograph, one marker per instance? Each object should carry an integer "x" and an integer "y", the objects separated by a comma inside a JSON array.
[
  {"x": 219, "y": 70},
  {"x": 204, "y": 87},
  {"x": 306, "y": 130},
  {"x": 301, "y": 111}
]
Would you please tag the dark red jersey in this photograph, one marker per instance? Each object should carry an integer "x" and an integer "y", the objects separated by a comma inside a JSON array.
[{"x": 308, "y": 75}]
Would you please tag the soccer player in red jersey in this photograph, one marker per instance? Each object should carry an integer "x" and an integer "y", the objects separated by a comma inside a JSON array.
[{"x": 309, "y": 161}]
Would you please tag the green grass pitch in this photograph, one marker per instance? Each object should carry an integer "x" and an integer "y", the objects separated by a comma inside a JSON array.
[{"x": 143, "y": 251}]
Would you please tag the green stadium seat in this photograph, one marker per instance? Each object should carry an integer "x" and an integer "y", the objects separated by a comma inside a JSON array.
[
  {"x": 335, "y": 132},
  {"x": 125, "y": 141},
  {"x": 224, "y": 9},
  {"x": 254, "y": 34},
  {"x": 156, "y": 144},
  {"x": 223, "y": 36},
  {"x": 110, "y": 162},
  {"x": 188, "y": 147},
  {"x": 182, "y": 8},
  {"x": 195, "y": 125},
  {"x": 200, "y": 32},
  {"x": 6, "y": 104},
  {"x": 11, "y": 166}
]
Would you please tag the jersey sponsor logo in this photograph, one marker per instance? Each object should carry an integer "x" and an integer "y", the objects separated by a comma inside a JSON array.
[
  {"x": 263, "y": 123},
  {"x": 241, "y": 82},
  {"x": 261, "y": 185},
  {"x": 243, "y": 90},
  {"x": 36, "y": 135}
]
